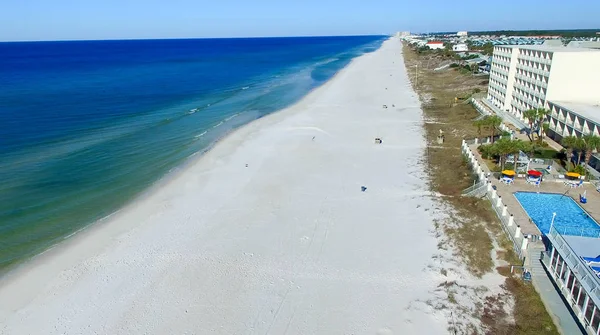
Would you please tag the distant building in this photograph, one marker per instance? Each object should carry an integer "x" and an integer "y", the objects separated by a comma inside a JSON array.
[
  {"x": 462, "y": 33},
  {"x": 435, "y": 45},
  {"x": 403, "y": 33},
  {"x": 584, "y": 44},
  {"x": 460, "y": 47}
]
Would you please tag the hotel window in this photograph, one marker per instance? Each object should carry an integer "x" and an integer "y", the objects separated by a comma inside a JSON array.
[
  {"x": 558, "y": 266},
  {"x": 596, "y": 321},
  {"x": 564, "y": 269},
  {"x": 581, "y": 299},
  {"x": 589, "y": 311},
  {"x": 554, "y": 256},
  {"x": 575, "y": 290},
  {"x": 570, "y": 281}
]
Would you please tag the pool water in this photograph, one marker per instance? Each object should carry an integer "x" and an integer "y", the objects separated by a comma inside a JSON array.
[{"x": 570, "y": 218}]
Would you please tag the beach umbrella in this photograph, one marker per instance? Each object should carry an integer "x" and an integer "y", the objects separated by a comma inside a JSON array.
[
  {"x": 572, "y": 174},
  {"x": 509, "y": 173},
  {"x": 534, "y": 173}
]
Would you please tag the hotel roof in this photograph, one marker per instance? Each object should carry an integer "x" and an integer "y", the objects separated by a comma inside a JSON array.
[
  {"x": 588, "y": 111},
  {"x": 584, "y": 246},
  {"x": 552, "y": 48}
]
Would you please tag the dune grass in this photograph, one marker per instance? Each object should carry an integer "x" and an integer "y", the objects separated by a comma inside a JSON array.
[{"x": 476, "y": 226}]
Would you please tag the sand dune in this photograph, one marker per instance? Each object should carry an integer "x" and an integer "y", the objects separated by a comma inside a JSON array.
[{"x": 288, "y": 244}]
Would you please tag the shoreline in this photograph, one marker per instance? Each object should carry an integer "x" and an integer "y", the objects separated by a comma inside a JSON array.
[
  {"x": 159, "y": 183},
  {"x": 252, "y": 234}
]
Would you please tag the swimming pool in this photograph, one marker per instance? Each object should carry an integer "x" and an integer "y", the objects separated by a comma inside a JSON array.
[{"x": 570, "y": 218}]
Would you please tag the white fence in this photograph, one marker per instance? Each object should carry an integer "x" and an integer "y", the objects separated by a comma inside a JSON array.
[{"x": 509, "y": 226}]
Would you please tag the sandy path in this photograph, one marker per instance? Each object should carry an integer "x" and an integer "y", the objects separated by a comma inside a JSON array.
[{"x": 288, "y": 244}]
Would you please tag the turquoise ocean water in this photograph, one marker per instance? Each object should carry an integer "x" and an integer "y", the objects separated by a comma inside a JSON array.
[{"x": 87, "y": 126}]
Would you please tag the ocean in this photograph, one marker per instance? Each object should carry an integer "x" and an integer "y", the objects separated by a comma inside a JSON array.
[{"x": 86, "y": 126}]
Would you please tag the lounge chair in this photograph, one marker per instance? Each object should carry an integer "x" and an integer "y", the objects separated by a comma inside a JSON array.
[
  {"x": 589, "y": 260},
  {"x": 537, "y": 183},
  {"x": 577, "y": 184}
]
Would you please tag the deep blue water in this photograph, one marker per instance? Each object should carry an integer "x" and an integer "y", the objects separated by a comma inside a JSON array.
[{"x": 86, "y": 126}]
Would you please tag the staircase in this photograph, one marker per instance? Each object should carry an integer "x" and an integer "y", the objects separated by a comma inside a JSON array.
[
  {"x": 556, "y": 307},
  {"x": 535, "y": 265}
]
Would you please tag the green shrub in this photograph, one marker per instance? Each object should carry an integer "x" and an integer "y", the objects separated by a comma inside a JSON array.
[
  {"x": 486, "y": 151},
  {"x": 546, "y": 154},
  {"x": 578, "y": 169}
]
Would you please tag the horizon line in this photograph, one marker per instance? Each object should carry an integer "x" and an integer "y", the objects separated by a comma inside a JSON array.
[{"x": 190, "y": 38}]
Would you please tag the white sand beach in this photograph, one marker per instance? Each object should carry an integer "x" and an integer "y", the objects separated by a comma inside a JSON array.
[{"x": 288, "y": 244}]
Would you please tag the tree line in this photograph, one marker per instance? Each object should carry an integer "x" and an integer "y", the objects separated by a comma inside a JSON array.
[{"x": 575, "y": 147}]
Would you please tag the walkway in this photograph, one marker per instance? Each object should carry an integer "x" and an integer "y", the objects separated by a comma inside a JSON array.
[
  {"x": 504, "y": 115},
  {"x": 555, "y": 305}
]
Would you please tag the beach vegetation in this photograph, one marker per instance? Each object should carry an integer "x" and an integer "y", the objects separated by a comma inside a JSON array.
[
  {"x": 489, "y": 122},
  {"x": 474, "y": 227},
  {"x": 590, "y": 144},
  {"x": 537, "y": 122},
  {"x": 578, "y": 169},
  {"x": 570, "y": 143}
]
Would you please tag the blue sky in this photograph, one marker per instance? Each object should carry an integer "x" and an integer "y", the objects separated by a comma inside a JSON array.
[{"x": 115, "y": 19}]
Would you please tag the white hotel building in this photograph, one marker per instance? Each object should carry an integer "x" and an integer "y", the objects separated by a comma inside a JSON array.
[{"x": 564, "y": 80}]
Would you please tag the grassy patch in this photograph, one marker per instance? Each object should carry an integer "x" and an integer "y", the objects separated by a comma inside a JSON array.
[
  {"x": 475, "y": 226},
  {"x": 475, "y": 245},
  {"x": 530, "y": 314}
]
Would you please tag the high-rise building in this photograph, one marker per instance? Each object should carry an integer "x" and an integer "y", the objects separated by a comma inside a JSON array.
[
  {"x": 564, "y": 80},
  {"x": 527, "y": 76}
]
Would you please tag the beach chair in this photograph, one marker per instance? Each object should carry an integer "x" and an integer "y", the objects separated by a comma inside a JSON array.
[
  {"x": 506, "y": 180},
  {"x": 589, "y": 260},
  {"x": 577, "y": 184},
  {"x": 537, "y": 183}
]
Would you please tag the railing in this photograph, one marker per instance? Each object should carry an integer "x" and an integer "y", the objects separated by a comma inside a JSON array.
[
  {"x": 578, "y": 231},
  {"x": 509, "y": 226},
  {"x": 477, "y": 189},
  {"x": 542, "y": 161},
  {"x": 584, "y": 274}
]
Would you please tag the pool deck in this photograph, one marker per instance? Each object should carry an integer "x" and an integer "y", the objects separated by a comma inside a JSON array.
[
  {"x": 592, "y": 207},
  {"x": 548, "y": 186},
  {"x": 553, "y": 300}
]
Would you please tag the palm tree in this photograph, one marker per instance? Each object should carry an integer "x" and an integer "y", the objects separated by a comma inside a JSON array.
[
  {"x": 589, "y": 144},
  {"x": 536, "y": 118},
  {"x": 530, "y": 115},
  {"x": 491, "y": 122},
  {"x": 504, "y": 147},
  {"x": 579, "y": 148},
  {"x": 545, "y": 127},
  {"x": 479, "y": 124},
  {"x": 516, "y": 146},
  {"x": 570, "y": 143}
]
